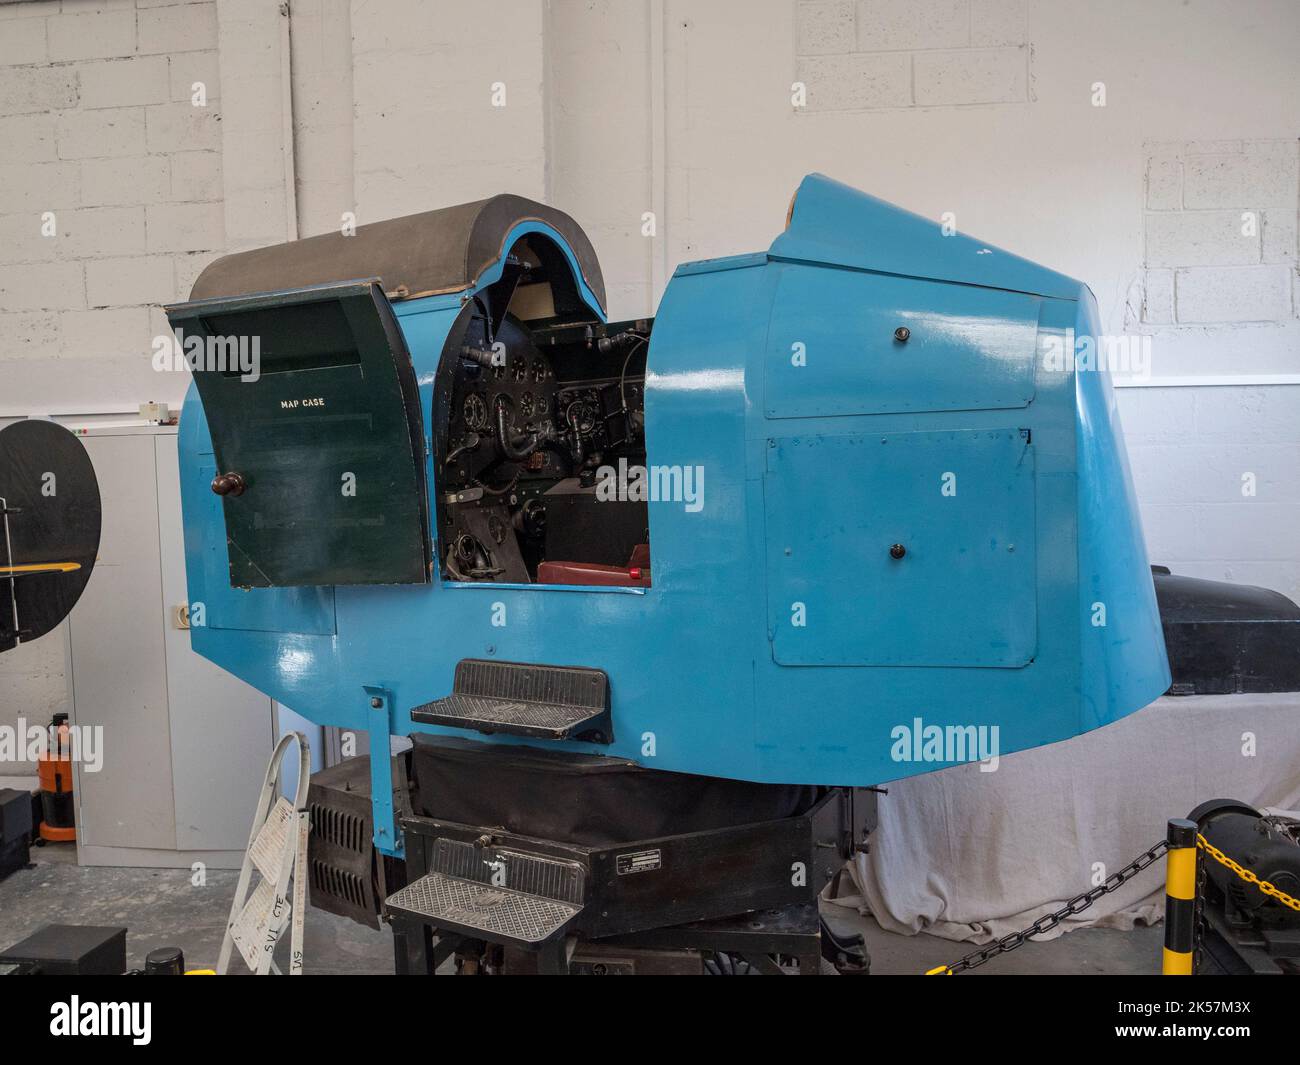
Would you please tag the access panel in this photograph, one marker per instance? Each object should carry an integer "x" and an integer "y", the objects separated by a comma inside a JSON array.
[
  {"x": 317, "y": 436},
  {"x": 901, "y": 549},
  {"x": 852, "y": 342}
]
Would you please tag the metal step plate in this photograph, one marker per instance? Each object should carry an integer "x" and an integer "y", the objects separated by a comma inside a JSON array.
[
  {"x": 474, "y": 908},
  {"x": 524, "y": 699}
]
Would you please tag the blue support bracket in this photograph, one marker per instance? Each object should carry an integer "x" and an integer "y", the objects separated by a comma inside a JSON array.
[{"x": 388, "y": 838}]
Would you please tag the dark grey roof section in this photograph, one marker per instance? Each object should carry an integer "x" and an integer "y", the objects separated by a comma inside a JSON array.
[{"x": 418, "y": 255}]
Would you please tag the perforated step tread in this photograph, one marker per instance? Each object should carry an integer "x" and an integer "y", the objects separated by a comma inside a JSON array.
[
  {"x": 470, "y": 907},
  {"x": 524, "y": 699}
]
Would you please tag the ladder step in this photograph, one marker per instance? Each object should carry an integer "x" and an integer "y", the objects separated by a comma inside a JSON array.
[
  {"x": 524, "y": 699},
  {"x": 474, "y": 908}
]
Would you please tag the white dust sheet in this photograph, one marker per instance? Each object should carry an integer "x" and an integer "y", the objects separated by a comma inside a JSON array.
[{"x": 973, "y": 856}]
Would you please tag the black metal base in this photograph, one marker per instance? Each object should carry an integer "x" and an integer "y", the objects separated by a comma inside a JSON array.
[
  {"x": 792, "y": 941},
  {"x": 1241, "y": 948},
  {"x": 739, "y": 898}
]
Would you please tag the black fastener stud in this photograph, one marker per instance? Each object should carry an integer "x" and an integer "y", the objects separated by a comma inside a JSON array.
[
  {"x": 902, "y": 333},
  {"x": 897, "y": 551}
]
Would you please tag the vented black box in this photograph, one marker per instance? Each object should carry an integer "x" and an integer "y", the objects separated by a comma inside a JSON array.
[
  {"x": 71, "y": 950},
  {"x": 15, "y": 830}
]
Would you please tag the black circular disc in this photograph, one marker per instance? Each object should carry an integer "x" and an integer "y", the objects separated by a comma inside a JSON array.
[{"x": 49, "y": 517}]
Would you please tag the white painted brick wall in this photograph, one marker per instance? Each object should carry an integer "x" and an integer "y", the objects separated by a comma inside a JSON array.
[
  {"x": 1199, "y": 238},
  {"x": 123, "y": 182},
  {"x": 858, "y": 81},
  {"x": 181, "y": 127},
  {"x": 100, "y": 140},
  {"x": 1190, "y": 450},
  {"x": 910, "y": 24},
  {"x": 124, "y": 82},
  {"x": 185, "y": 227},
  {"x": 28, "y": 138},
  {"x": 29, "y": 335},
  {"x": 131, "y": 281},
  {"x": 1233, "y": 294},
  {"x": 178, "y": 28},
  {"x": 970, "y": 76},
  {"x": 91, "y": 35},
  {"x": 414, "y": 69},
  {"x": 23, "y": 41},
  {"x": 1279, "y": 235},
  {"x": 100, "y": 232},
  {"x": 24, "y": 90},
  {"x": 187, "y": 68},
  {"x": 108, "y": 131},
  {"x": 886, "y": 54},
  {"x": 825, "y": 26},
  {"x": 1248, "y": 178},
  {"x": 35, "y": 187},
  {"x": 42, "y": 286},
  {"x": 1220, "y": 250},
  {"x": 194, "y": 176},
  {"x": 995, "y": 23}
]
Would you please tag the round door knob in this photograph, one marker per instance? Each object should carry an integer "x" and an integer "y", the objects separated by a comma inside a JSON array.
[
  {"x": 897, "y": 551},
  {"x": 229, "y": 484}
]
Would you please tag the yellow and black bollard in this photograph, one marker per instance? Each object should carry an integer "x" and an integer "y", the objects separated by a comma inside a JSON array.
[{"x": 1180, "y": 898}]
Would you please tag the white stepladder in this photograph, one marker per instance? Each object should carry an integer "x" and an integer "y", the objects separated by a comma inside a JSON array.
[{"x": 277, "y": 849}]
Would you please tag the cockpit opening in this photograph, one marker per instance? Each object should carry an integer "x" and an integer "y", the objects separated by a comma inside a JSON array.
[{"x": 536, "y": 402}]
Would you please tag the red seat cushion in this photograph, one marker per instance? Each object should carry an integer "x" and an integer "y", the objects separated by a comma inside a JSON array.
[{"x": 592, "y": 573}]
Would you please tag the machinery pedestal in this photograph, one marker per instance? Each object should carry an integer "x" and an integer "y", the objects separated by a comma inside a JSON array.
[{"x": 782, "y": 942}]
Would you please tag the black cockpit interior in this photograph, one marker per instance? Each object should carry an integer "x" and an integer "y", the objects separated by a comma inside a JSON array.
[{"x": 538, "y": 405}]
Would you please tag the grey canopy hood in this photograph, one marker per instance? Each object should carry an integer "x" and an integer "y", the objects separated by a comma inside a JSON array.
[{"x": 417, "y": 255}]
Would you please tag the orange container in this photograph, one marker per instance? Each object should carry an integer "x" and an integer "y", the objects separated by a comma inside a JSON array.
[{"x": 54, "y": 770}]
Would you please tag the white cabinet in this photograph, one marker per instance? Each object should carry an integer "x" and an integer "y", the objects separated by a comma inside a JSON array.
[{"x": 185, "y": 744}]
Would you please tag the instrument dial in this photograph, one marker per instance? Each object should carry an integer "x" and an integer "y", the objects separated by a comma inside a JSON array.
[
  {"x": 475, "y": 412},
  {"x": 582, "y": 415}
]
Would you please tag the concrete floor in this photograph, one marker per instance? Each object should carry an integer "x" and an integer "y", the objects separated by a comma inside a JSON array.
[{"x": 160, "y": 907}]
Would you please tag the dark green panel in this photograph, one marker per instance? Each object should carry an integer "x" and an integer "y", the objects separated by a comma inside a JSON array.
[{"x": 333, "y": 394}]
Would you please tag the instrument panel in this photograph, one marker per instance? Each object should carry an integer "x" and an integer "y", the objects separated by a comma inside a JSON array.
[
  {"x": 572, "y": 423},
  {"x": 516, "y": 433}
]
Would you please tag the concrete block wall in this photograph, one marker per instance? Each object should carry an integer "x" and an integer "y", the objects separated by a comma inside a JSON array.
[
  {"x": 1220, "y": 252},
  {"x": 1217, "y": 473},
  {"x": 864, "y": 54},
  {"x": 110, "y": 187},
  {"x": 448, "y": 103}
]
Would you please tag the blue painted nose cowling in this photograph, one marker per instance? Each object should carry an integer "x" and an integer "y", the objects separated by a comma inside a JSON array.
[
  {"x": 885, "y": 522},
  {"x": 953, "y": 563}
]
